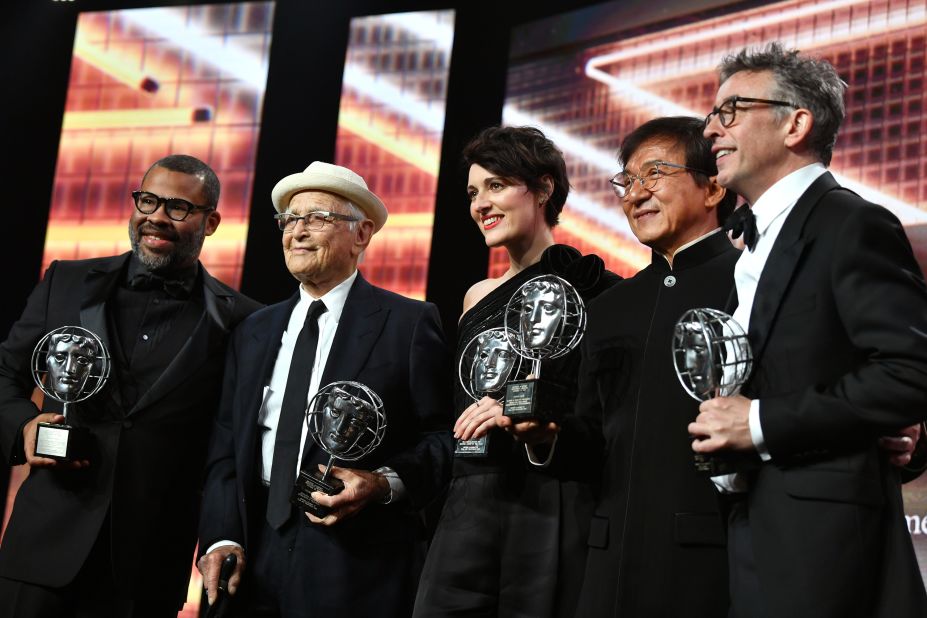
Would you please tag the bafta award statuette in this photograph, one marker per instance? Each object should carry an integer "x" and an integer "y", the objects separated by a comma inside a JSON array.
[
  {"x": 486, "y": 365},
  {"x": 713, "y": 358},
  {"x": 347, "y": 421},
  {"x": 69, "y": 365},
  {"x": 545, "y": 319}
]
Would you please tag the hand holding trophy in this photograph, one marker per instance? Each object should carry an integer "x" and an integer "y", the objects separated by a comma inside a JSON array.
[
  {"x": 69, "y": 364},
  {"x": 713, "y": 358},
  {"x": 544, "y": 319},
  {"x": 347, "y": 421},
  {"x": 486, "y": 365}
]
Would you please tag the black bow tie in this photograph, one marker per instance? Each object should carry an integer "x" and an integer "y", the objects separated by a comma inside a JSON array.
[
  {"x": 743, "y": 221},
  {"x": 177, "y": 288}
]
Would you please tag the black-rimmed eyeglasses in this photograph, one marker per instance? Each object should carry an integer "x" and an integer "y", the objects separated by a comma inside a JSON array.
[
  {"x": 727, "y": 111},
  {"x": 175, "y": 208},
  {"x": 652, "y": 172},
  {"x": 314, "y": 220}
]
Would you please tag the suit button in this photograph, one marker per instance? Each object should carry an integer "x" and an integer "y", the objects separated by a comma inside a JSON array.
[
  {"x": 670, "y": 281},
  {"x": 127, "y": 424}
]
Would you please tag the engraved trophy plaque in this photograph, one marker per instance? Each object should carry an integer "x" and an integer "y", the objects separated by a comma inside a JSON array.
[
  {"x": 69, "y": 364},
  {"x": 713, "y": 358},
  {"x": 347, "y": 421},
  {"x": 486, "y": 365},
  {"x": 545, "y": 319}
]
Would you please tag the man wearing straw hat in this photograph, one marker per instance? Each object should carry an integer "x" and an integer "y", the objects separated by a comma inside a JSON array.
[{"x": 363, "y": 559}]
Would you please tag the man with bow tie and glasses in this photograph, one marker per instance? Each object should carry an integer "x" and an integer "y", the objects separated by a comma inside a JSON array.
[
  {"x": 835, "y": 307},
  {"x": 114, "y": 535}
]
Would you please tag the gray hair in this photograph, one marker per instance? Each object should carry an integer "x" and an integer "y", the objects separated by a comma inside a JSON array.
[{"x": 810, "y": 83}]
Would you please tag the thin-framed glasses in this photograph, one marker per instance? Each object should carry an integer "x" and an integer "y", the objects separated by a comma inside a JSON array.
[
  {"x": 175, "y": 208},
  {"x": 313, "y": 221},
  {"x": 727, "y": 111},
  {"x": 623, "y": 182}
]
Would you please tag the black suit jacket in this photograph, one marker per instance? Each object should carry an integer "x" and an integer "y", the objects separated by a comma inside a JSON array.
[
  {"x": 839, "y": 335},
  {"x": 395, "y": 346},
  {"x": 147, "y": 464}
]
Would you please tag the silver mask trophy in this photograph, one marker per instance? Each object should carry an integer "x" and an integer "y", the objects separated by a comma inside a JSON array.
[
  {"x": 488, "y": 362},
  {"x": 545, "y": 319},
  {"x": 347, "y": 421},
  {"x": 713, "y": 358},
  {"x": 69, "y": 364}
]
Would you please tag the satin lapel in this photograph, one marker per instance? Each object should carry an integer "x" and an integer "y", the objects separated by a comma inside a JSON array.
[
  {"x": 98, "y": 287},
  {"x": 358, "y": 330},
  {"x": 208, "y": 334},
  {"x": 781, "y": 264},
  {"x": 263, "y": 346}
]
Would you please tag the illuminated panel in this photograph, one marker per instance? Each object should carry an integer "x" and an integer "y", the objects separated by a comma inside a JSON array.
[
  {"x": 390, "y": 127},
  {"x": 586, "y": 98},
  {"x": 150, "y": 82},
  {"x": 146, "y": 83}
]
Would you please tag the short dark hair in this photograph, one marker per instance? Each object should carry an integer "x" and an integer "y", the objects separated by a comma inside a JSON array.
[
  {"x": 811, "y": 83},
  {"x": 526, "y": 155},
  {"x": 185, "y": 164},
  {"x": 686, "y": 132}
]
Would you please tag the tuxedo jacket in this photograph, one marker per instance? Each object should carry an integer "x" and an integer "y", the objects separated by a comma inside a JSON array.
[
  {"x": 395, "y": 346},
  {"x": 147, "y": 460},
  {"x": 838, "y": 330}
]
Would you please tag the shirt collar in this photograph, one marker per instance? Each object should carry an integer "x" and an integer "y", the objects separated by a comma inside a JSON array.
[
  {"x": 334, "y": 299},
  {"x": 783, "y": 194}
]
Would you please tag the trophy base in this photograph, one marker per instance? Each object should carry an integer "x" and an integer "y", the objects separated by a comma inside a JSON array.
[
  {"x": 62, "y": 442},
  {"x": 308, "y": 482},
  {"x": 472, "y": 448},
  {"x": 538, "y": 399},
  {"x": 728, "y": 463}
]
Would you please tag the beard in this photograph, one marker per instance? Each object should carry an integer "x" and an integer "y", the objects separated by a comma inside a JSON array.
[{"x": 186, "y": 249}]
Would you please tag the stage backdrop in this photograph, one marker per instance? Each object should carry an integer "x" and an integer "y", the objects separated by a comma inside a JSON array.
[
  {"x": 146, "y": 83},
  {"x": 589, "y": 77}
]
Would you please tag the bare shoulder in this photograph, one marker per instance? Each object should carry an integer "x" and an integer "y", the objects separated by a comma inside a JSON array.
[{"x": 478, "y": 292}]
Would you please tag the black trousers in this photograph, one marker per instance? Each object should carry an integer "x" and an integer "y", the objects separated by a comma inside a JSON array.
[
  {"x": 94, "y": 593},
  {"x": 744, "y": 582}
]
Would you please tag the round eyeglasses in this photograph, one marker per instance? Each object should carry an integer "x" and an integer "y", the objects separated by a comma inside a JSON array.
[
  {"x": 313, "y": 221},
  {"x": 175, "y": 208},
  {"x": 727, "y": 111},
  {"x": 653, "y": 171}
]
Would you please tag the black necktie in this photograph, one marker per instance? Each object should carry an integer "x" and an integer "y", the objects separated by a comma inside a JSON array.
[
  {"x": 743, "y": 221},
  {"x": 292, "y": 416}
]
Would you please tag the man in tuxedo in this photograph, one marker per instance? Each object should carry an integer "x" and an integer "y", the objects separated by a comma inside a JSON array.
[
  {"x": 113, "y": 534},
  {"x": 364, "y": 558},
  {"x": 835, "y": 308}
]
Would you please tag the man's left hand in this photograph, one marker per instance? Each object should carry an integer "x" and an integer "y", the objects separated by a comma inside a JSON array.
[
  {"x": 360, "y": 488},
  {"x": 900, "y": 447},
  {"x": 723, "y": 424}
]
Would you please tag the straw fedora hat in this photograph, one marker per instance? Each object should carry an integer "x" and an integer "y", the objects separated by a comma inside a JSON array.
[{"x": 320, "y": 176}]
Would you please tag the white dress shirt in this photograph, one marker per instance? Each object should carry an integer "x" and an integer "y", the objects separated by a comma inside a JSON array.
[
  {"x": 771, "y": 210},
  {"x": 269, "y": 415}
]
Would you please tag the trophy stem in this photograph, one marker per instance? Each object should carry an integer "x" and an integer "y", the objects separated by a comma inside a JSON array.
[
  {"x": 328, "y": 469},
  {"x": 64, "y": 411},
  {"x": 536, "y": 368}
]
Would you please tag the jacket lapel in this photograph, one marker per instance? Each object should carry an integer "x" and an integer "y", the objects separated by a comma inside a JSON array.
[
  {"x": 781, "y": 264},
  {"x": 361, "y": 322},
  {"x": 98, "y": 287}
]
